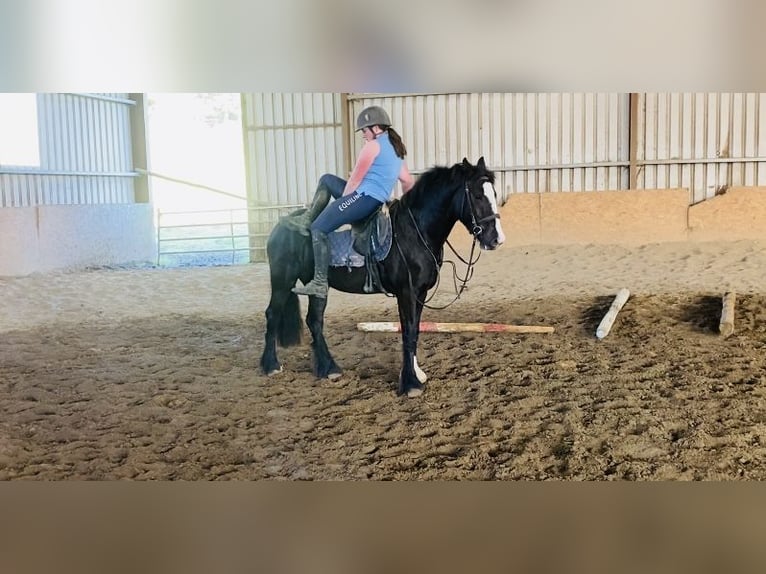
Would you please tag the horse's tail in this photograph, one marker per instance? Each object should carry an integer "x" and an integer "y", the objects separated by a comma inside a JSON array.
[
  {"x": 284, "y": 311},
  {"x": 289, "y": 324}
]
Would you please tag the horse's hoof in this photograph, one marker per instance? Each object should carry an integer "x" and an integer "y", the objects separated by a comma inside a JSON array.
[
  {"x": 274, "y": 372},
  {"x": 412, "y": 390}
]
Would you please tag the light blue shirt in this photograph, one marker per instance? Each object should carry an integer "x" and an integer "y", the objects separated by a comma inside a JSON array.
[{"x": 379, "y": 180}]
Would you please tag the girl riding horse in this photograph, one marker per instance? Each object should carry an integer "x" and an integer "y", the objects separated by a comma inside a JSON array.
[
  {"x": 379, "y": 165},
  {"x": 421, "y": 221}
]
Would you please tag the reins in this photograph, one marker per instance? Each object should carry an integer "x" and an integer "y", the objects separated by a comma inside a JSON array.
[{"x": 476, "y": 231}]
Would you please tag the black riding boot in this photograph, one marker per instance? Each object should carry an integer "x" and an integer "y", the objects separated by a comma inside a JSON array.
[
  {"x": 318, "y": 285},
  {"x": 302, "y": 222}
]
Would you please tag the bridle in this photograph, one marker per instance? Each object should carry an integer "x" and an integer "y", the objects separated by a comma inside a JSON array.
[{"x": 476, "y": 231}]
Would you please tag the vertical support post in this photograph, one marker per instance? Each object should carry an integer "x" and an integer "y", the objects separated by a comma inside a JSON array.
[
  {"x": 346, "y": 131},
  {"x": 231, "y": 233},
  {"x": 159, "y": 236},
  {"x": 139, "y": 148},
  {"x": 633, "y": 141},
  {"x": 247, "y": 117},
  {"x": 246, "y": 121}
]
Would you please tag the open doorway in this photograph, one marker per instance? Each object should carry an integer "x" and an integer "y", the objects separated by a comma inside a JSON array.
[{"x": 198, "y": 178}]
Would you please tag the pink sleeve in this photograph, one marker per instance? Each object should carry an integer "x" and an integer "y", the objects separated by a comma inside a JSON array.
[{"x": 368, "y": 154}]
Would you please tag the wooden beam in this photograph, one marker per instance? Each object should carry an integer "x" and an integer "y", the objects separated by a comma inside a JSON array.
[
  {"x": 606, "y": 323},
  {"x": 726, "y": 325},
  {"x": 428, "y": 326}
]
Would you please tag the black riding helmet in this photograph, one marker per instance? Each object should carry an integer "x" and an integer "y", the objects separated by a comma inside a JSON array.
[{"x": 372, "y": 116}]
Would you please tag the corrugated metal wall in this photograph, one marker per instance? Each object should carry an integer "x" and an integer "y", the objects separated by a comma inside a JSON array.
[
  {"x": 534, "y": 142},
  {"x": 290, "y": 141},
  {"x": 85, "y": 155},
  {"x": 703, "y": 142}
]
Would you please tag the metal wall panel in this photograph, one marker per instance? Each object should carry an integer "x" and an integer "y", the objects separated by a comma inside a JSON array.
[
  {"x": 85, "y": 154},
  {"x": 534, "y": 142},
  {"x": 704, "y": 142},
  {"x": 547, "y": 142},
  {"x": 290, "y": 141}
]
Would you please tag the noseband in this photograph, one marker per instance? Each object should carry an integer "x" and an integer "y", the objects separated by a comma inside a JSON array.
[{"x": 476, "y": 229}]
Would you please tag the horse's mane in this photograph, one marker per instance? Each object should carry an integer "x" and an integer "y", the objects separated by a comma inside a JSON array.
[
  {"x": 438, "y": 177},
  {"x": 442, "y": 179}
]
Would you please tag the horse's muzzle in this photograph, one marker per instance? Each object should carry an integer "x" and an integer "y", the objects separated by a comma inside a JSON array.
[{"x": 494, "y": 244}]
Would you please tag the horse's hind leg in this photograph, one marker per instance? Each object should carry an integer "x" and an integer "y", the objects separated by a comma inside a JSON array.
[
  {"x": 283, "y": 326},
  {"x": 269, "y": 361},
  {"x": 324, "y": 364}
]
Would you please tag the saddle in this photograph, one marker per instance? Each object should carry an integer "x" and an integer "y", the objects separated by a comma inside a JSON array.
[{"x": 367, "y": 242}]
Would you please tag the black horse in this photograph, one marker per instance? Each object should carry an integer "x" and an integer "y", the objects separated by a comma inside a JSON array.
[{"x": 421, "y": 222}]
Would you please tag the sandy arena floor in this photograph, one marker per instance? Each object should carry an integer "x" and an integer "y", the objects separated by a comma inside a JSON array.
[{"x": 153, "y": 374}]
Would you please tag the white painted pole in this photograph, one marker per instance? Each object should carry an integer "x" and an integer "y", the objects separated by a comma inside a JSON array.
[
  {"x": 428, "y": 326},
  {"x": 608, "y": 320},
  {"x": 726, "y": 326}
]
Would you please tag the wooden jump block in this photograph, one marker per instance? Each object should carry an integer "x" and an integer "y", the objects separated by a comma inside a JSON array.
[
  {"x": 606, "y": 323},
  {"x": 726, "y": 325}
]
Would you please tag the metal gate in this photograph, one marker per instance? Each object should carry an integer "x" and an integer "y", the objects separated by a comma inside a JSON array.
[{"x": 216, "y": 237}]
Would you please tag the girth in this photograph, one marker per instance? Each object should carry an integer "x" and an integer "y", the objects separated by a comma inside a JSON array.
[{"x": 369, "y": 235}]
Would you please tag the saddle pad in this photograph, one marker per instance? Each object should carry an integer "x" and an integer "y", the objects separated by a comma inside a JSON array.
[{"x": 342, "y": 253}]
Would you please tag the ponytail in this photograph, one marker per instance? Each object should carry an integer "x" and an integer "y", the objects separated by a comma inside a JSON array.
[{"x": 396, "y": 141}]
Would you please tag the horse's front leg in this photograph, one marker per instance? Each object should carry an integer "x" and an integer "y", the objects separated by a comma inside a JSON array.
[
  {"x": 419, "y": 373},
  {"x": 411, "y": 378},
  {"x": 324, "y": 364}
]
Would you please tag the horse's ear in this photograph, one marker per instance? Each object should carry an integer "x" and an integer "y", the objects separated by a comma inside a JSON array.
[
  {"x": 481, "y": 165},
  {"x": 466, "y": 163}
]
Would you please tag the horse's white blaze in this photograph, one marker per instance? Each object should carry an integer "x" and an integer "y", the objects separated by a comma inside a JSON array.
[
  {"x": 489, "y": 191},
  {"x": 422, "y": 377}
]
